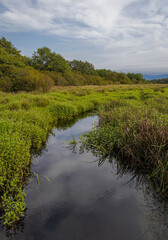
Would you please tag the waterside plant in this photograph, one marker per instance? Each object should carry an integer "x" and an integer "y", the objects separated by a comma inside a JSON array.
[
  {"x": 135, "y": 130},
  {"x": 133, "y": 123}
]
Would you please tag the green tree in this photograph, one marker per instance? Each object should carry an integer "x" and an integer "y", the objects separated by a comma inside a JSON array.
[
  {"x": 123, "y": 78},
  {"x": 82, "y": 67},
  {"x": 104, "y": 73},
  {"x": 26, "y": 60},
  {"x": 16, "y": 79},
  {"x": 44, "y": 59},
  {"x": 8, "y": 47},
  {"x": 111, "y": 76},
  {"x": 136, "y": 77},
  {"x": 10, "y": 59},
  {"x": 9, "y": 54}
]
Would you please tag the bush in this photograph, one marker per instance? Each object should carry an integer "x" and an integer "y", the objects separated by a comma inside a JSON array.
[
  {"x": 44, "y": 82},
  {"x": 58, "y": 78},
  {"x": 14, "y": 79},
  {"x": 5, "y": 84},
  {"x": 17, "y": 78}
]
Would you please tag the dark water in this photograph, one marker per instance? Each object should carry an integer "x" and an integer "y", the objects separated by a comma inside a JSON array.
[{"x": 85, "y": 201}]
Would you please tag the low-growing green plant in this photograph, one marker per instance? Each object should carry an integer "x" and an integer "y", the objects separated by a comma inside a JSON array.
[
  {"x": 26, "y": 119},
  {"x": 63, "y": 111},
  {"x": 41, "y": 101}
]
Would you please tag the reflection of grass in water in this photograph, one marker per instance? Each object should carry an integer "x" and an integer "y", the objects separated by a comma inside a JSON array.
[
  {"x": 138, "y": 133},
  {"x": 63, "y": 125},
  {"x": 155, "y": 221},
  {"x": 72, "y": 145},
  {"x": 27, "y": 118}
]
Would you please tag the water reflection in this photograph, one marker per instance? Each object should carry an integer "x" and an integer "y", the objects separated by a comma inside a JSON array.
[
  {"x": 86, "y": 201},
  {"x": 62, "y": 125},
  {"x": 154, "y": 208}
]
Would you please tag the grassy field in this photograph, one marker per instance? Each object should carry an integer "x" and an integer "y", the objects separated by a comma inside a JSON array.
[{"x": 133, "y": 124}]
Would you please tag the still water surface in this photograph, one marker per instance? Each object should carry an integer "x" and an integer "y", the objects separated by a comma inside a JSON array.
[{"x": 85, "y": 201}]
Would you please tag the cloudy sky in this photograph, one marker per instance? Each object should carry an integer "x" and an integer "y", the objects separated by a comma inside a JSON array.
[{"x": 122, "y": 35}]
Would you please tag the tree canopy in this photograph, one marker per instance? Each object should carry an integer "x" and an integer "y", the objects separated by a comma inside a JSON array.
[
  {"x": 9, "y": 54},
  {"x": 46, "y": 68},
  {"x": 136, "y": 77},
  {"x": 44, "y": 59},
  {"x": 82, "y": 67},
  {"x": 8, "y": 47}
]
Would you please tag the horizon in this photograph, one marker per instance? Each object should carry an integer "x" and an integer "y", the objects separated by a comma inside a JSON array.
[{"x": 128, "y": 36}]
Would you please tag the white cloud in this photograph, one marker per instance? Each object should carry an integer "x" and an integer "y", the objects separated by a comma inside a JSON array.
[{"x": 127, "y": 30}]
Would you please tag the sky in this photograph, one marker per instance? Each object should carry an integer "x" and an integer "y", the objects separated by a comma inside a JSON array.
[{"x": 121, "y": 35}]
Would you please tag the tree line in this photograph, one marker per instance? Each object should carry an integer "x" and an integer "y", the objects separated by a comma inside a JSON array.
[
  {"x": 46, "y": 68},
  {"x": 159, "y": 81}
]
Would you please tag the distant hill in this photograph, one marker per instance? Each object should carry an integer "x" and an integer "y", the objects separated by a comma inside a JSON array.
[{"x": 150, "y": 77}]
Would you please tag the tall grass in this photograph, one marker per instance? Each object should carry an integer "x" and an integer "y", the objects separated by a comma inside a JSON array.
[
  {"x": 136, "y": 130},
  {"x": 128, "y": 121}
]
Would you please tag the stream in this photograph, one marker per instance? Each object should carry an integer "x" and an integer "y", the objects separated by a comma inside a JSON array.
[{"x": 85, "y": 200}]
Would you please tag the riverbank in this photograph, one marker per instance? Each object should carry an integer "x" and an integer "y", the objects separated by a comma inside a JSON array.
[
  {"x": 135, "y": 131},
  {"x": 26, "y": 119}
]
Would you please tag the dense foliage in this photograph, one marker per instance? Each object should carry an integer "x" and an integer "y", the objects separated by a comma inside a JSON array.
[
  {"x": 16, "y": 74},
  {"x": 46, "y": 68},
  {"x": 82, "y": 67},
  {"x": 44, "y": 59},
  {"x": 160, "y": 81}
]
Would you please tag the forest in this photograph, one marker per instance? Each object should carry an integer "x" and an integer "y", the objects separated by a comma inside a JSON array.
[{"x": 46, "y": 68}]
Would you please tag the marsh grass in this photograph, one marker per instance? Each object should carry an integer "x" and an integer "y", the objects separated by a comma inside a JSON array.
[
  {"x": 128, "y": 121},
  {"x": 136, "y": 131}
]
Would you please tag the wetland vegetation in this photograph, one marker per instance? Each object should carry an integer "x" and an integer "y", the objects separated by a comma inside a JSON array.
[
  {"x": 133, "y": 124},
  {"x": 133, "y": 119},
  {"x": 134, "y": 128}
]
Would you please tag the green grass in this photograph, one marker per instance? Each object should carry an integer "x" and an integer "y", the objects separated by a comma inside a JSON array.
[
  {"x": 135, "y": 129},
  {"x": 26, "y": 119}
]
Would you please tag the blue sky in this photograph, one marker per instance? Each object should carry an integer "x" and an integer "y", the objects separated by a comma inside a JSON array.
[{"x": 121, "y": 35}]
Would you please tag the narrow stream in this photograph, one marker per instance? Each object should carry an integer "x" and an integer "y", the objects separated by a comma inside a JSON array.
[{"x": 85, "y": 201}]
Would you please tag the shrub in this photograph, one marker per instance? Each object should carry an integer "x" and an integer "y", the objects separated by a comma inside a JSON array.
[
  {"x": 58, "y": 78},
  {"x": 18, "y": 78},
  {"x": 44, "y": 82},
  {"x": 26, "y": 104},
  {"x": 41, "y": 101},
  {"x": 5, "y": 84}
]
